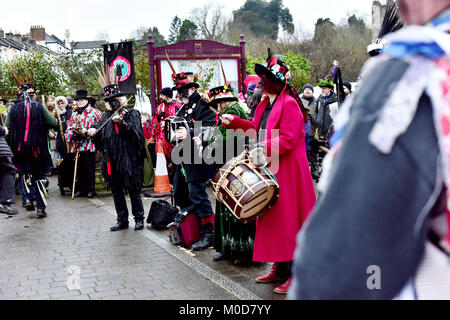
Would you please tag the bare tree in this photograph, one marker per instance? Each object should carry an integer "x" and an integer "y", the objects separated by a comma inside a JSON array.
[
  {"x": 102, "y": 36},
  {"x": 212, "y": 21},
  {"x": 139, "y": 33}
]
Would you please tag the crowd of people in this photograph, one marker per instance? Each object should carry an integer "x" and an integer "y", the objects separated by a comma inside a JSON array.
[
  {"x": 64, "y": 137},
  {"x": 296, "y": 132}
]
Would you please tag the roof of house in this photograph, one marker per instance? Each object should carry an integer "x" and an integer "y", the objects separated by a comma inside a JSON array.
[
  {"x": 27, "y": 45},
  {"x": 14, "y": 44},
  {"x": 54, "y": 39},
  {"x": 86, "y": 45}
]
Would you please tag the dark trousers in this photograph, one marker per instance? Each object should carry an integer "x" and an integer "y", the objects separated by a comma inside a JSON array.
[
  {"x": 7, "y": 181},
  {"x": 192, "y": 193},
  {"x": 86, "y": 173},
  {"x": 284, "y": 269},
  {"x": 65, "y": 171},
  {"x": 118, "y": 191},
  {"x": 180, "y": 189},
  {"x": 313, "y": 159},
  {"x": 36, "y": 189}
]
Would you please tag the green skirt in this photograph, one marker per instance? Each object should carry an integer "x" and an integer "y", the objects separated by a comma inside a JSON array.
[
  {"x": 233, "y": 238},
  {"x": 149, "y": 172}
]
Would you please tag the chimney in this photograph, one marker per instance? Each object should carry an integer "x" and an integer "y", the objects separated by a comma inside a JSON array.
[
  {"x": 9, "y": 35},
  {"x": 37, "y": 33},
  {"x": 17, "y": 37},
  {"x": 2, "y": 33},
  {"x": 67, "y": 38}
]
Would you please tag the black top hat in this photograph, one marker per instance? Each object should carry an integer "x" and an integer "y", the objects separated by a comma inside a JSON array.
[
  {"x": 81, "y": 94},
  {"x": 219, "y": 94},
  {"x": 25, "y": 87},
  {"x": 185, "y": 80},
  {"x": 112, "y": 91}
]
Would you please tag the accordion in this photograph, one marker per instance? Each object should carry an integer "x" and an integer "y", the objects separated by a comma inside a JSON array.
[{"x": 171, "y": 125}]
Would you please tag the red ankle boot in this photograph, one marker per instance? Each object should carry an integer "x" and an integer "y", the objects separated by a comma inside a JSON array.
[
  {"x": 283, "y": 289},
  {"x": 269, "y": 277}
]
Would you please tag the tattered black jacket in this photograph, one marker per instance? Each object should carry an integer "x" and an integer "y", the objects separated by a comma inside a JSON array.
[{"x": 123, "y": 148}]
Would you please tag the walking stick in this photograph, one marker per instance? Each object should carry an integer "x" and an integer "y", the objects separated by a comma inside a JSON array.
[{"x": 75, "y": 171}]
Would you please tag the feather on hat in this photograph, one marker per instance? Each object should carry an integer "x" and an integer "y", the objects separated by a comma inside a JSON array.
[
  {"x": 391, "y": 23},
  {"x": 109, "y": 84}
]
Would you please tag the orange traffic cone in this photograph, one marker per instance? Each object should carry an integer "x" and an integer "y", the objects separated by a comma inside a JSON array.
[{"x": 162, "y": 182}]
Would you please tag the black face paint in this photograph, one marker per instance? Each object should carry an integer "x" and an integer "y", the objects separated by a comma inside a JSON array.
[
  {"x": 184, "y": 93},
  {"x": 115, "y": 104}
]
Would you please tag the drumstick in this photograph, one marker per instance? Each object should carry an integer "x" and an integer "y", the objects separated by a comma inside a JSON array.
[{"x": 215, "y": 111}]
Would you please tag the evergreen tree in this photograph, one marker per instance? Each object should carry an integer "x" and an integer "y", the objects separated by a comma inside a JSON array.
[
  {"x": 264, "y": 18},
  {"x": 188, "y": 31},
  {"x": 158, "y": 38},
  {"x": 357, "y": 23},
  {"x": 174, "y": 29}
]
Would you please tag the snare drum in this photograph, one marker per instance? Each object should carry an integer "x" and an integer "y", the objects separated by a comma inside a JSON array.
[{"x": 248, "y": 191}]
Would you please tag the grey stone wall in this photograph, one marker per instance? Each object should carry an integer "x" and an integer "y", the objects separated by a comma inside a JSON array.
[{"x": 378, "y": 11}]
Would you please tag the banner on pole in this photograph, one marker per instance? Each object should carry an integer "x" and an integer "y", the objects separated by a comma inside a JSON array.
[{"x": 118, "y": 57}]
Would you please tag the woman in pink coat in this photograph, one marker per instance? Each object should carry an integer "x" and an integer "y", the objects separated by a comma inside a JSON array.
[{"x": 278, "y": 127}]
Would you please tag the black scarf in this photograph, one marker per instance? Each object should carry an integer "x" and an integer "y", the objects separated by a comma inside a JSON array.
[{"x": 81, "y": 110}]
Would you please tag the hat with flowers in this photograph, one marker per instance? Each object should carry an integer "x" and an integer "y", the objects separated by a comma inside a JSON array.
[
  {"x": 275, "y": 68},
  {"x": 221, "y": 94},
  {"x": 185, "y": 80}
]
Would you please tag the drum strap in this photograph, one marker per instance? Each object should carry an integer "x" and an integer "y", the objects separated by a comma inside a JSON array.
[{"x": 270, "y": 174}]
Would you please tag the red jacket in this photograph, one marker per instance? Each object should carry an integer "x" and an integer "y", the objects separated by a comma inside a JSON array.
[{"x": 276, "y": 231}]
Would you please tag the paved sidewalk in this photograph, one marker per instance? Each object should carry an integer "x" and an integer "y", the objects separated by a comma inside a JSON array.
[{"x": 40, "y": 255}]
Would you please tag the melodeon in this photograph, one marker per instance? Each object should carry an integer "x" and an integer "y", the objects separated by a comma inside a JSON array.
[
  {"x": 247, "y": 190},
  {"x": 171, "y": 125}
]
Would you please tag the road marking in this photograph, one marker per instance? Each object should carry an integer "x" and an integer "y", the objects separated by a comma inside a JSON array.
[{"x": 185, "y": 256}]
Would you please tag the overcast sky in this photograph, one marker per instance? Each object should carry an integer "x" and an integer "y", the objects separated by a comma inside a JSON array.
[{"x": 86, "y": 19}]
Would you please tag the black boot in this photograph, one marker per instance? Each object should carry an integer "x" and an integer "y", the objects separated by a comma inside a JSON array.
[
  {"x": 139, "y": 225},
  {"x": 91, "y": 195},
  {"x": 119, "y": 226},
  {"x": 41, "y": 213},
  {"x": 218, "y": 256},
  {"x": 79, "y": 194},
  {"x": 7, "y": 209},
  {"x": 29, "y": 205},
  {"x": 206, "y": 238}
]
